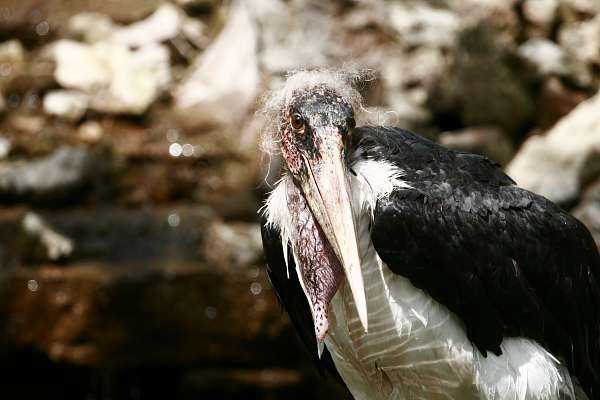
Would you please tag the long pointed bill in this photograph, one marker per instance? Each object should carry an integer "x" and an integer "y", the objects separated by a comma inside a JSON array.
[{"x": 326, "y": 190}]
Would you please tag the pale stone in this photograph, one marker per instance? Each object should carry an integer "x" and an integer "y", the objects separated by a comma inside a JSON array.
[
  {"x": 583, "y": 6},
  {"x": 294, "y": 35},
  {"x": 423, "y": 25},
  {"x": 68, "y": 104},
  {"x": 56, "y": 245},
  {"x": 556, "y": 164},
  {"x": 499, "y": 15},
  {"x": 12, "y": 51},
  {"x": 162, "y": 25},
  {"x": 12, "y": 63},
  {"x": 545, "y": 55},
  {"x": 582, "y": 40},
  {"x": 91, "y": 27},
  {"x": 223, "y": 82},
  {"x": 55, "y": 177},
  {"x": 541, "y": 12},
  {"x": 5, "y": 147},
  {"x": 79, "y": 66},
  {"x": 406, "y": 81},
  {"x": 90, "y": 132},
  {"x": 117, "y": 78},
  {"x": 166, "y": 23}
]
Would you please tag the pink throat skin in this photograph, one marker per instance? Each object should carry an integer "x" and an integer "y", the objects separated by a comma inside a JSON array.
[{"x": 322, "y": 272}]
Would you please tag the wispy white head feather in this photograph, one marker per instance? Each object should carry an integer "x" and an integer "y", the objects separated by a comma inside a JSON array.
[
  {"x": 277, "y": 214},
  {"x": 374, "y": 180}
]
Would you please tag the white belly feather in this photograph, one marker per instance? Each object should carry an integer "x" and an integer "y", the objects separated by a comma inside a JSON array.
[{"x": 417, "y": 349}]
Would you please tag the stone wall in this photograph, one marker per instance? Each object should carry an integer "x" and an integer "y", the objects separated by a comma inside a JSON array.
[{"x": 130, "y": 176}]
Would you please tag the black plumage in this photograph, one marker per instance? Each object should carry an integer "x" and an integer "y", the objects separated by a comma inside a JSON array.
[{"x": 508, "y": 262}]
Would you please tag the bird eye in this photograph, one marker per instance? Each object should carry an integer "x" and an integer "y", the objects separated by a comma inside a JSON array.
[{"x": 296, "y": 121}]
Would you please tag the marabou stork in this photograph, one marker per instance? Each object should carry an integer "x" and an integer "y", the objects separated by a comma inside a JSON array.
[{"x": 418, "y": 272}]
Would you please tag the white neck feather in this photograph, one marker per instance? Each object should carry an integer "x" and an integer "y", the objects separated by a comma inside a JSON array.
[{"x": 374, "y": 180}]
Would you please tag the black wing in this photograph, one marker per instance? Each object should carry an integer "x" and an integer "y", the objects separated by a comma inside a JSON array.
[
  {"x": 292, "y": 298},
  {"x": 508, "y": 262}
]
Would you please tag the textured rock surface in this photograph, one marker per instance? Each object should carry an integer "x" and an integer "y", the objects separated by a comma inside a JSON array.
[
  {"x": 116, "y": 78},
  {"x": 167, "y": 23},
  {"x": 69, "y": 104},
  {"x": 52, "y": 178},
  {"x": 130, "y": 177},
  {"x": 223, "y": 83},
  {"x": 582, "y": 40},
  {"x": 286, "y": 29},
  {"x": 164, "y": 24},
  {"x": 12, "y": 61},
  {"x": 558, "y": 164},
  {"x": 90, "y": 27},
  {"x": 541, "y": 14},
  {"x": 43, "y": 239},
  {"x": 12, "y": 52},
  {"x": 547, "y": 56},
  {"x": 420, "y": 24}
]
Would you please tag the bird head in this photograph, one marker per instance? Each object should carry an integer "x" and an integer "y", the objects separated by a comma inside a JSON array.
[{"x": 314, "y": 127}]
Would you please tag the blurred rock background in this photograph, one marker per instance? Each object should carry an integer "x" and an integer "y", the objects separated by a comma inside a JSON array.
[{"x": 131, "y": 262}]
